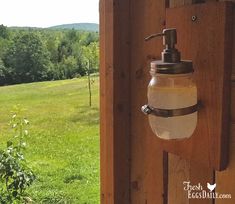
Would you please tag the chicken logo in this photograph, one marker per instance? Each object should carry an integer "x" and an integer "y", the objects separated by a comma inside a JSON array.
[{"x": 211, "y": 187}]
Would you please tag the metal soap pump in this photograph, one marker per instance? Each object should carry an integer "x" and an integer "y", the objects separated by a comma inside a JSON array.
[{"x": 172, "y": 94}]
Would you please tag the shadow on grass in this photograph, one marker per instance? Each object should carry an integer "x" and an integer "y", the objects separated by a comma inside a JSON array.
[
  {"x": 55, "y": 199},
  {"x": 86, "y": 115},
  {"x": 72, "y": 178}
]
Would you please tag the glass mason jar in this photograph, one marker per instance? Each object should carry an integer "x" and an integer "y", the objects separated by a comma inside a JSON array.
[{"x": 172, "y": 91}]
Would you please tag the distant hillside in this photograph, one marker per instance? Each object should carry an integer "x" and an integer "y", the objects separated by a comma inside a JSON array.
[
  {"x": 78, "y": 26},
  {"x": 24, "y": 28}
]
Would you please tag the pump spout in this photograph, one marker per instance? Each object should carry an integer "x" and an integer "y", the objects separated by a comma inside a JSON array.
[{"x": 170, "y": 54}]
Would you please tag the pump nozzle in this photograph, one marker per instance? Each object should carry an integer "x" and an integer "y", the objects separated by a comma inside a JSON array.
[
  {"x": 170, "y": 53},
  {"x": 154, "y": 36}
]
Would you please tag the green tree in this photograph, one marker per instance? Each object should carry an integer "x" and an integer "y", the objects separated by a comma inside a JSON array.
[
  {"x": 4, "y": 44},
  {"x": 4, "y": 33},
  {"x": 5, "y": 74},
  {"x": 28, "y": 57},
  {"x": 91, "y": 53},
  {"x": 69, "y": 67},
  {"x": 52, "y": 43},
  {"x": 4, "y": 39},
  {"x": 41, "y": 54},
  {"x": 64, "y": 50},
  {"x": 89, "y": 37},
  {"x": 90, "y": 62},
  {"x": 72, "y": 35}
]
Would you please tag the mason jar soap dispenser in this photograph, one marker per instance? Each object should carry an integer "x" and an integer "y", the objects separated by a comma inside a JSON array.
[{"x": 172, "y": 93}]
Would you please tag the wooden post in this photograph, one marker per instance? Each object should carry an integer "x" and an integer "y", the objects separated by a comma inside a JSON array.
[
  {"x": 225, "y": 183},
  {"x": 148, "y": 174},
  {"x": 134, "y": 169},
  {"x": 115, "y": 101},
  {"x": 181, "y": 170}
]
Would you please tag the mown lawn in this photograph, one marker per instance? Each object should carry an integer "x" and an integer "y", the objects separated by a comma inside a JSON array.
[{"x": 63, "y": 147}]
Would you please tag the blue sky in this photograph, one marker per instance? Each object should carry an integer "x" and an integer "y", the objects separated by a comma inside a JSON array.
[{"x": 45, "y": 13}]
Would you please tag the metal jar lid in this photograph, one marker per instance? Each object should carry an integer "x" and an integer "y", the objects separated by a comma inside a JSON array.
[{"x": 182, "y": 67}]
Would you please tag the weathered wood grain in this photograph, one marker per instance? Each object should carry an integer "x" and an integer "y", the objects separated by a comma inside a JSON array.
[
  {"x": 224, "y": 180},
  {"x": 115, "y": 102},
  {"x": 178, "y": 3},
  {"x": 233, "y": 42},
  {"x": 106, "y": 143},
  {"x": 147, "y": 17},
  {"x": 233, "y": 105},
  {"x": 225, "y": 183},
  {"x": 132, "y": 169},
  {"x": 178, "y": 173},
  {"x": 182, "y": 170},
  {"x": 207, "y": 42},
  {"x": 233, "y": 67}
]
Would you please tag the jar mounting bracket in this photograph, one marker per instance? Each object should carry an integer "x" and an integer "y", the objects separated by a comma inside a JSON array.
[{"x": 165, "y": 113}]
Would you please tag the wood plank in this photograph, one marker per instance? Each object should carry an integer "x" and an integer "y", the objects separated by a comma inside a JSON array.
[
  {"x": 233, "y": 76},
  {"x": 165, "y": 177},
  {"x": 233, "y": 67},
  {"x": 121, "y": 103},
  {"x": 233, "y": 104},
  {"x": 147, "y": 171},
  {"x": 147, "y": 176},
  {"x": 212, "y": 119},
  {"x": 181, "y": 170},
  {"x": 225, "y": 180},
  {"x": 233, "y": 73},
  {"x": 178, "y": 173},
  {"x": 202, "y": 175},
  {"x": 233, "y": 42},
  {"x": 178, "y": 3},
  {"x": 225, "y": 183},
  {"x": 114, "y": 103},
  {"x": 178, "y": 168},
  {"x": 106, "y": 143}
]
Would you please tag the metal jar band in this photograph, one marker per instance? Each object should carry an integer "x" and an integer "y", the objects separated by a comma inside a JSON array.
[
  {"x": 182, "y": 67},
  {"x": 147, "y": 109}
]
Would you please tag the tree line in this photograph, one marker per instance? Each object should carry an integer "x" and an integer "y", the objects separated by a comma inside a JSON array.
[{"x": 31, "y": 55}]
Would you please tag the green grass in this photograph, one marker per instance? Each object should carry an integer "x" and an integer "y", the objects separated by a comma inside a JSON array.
[{"x": 63, "y": 147}]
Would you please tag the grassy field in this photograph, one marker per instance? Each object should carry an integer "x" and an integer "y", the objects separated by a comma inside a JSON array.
[{"x": 63, "y": 147}]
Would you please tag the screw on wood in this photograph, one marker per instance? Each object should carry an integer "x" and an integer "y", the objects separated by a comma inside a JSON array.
[{"x": 194, "y": 18}]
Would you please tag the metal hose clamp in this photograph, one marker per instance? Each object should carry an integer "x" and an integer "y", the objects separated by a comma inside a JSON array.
[{"x": 147, "y": 109}]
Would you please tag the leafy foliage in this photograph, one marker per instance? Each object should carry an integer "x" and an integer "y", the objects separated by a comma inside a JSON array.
[
  {"x": 91, "y": 54},
  {"x": 4, "y": 32},
  {"x": 6, "y": 74},
  {"x": 15, "y": 175},
  {"x": 30, "y": 55}
]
